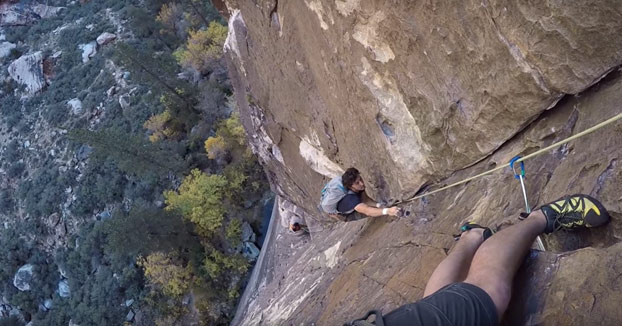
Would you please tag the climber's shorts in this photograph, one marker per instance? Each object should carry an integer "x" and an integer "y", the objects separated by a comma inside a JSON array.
[{"x": 454, "y": 304}]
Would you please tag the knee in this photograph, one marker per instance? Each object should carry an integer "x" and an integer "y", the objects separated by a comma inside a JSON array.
[{"x": 499, "y": 291}]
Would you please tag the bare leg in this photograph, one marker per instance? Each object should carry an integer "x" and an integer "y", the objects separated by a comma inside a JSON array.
[
  {"x": 455, "y": 266},
  {"x": 497, "y": 260}
]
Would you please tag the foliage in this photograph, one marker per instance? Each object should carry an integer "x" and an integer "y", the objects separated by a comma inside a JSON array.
[
  {"x": 203, "y": 48},
  {"x": 11, "y": 321},
  {"x": 216, "y": 148},
  {"x": 234, "y": 231},
  {"x": 199, "y": 200},
  {"x": 132, "y": 154},
  {"x": 102, "y": 183},
  {"x": 166, "y": 271},
  {"x": 42, "y": 193},
  {"x": 145, "y": 229},
  {"x": 171, "y": 16},
  {"x": 163, "y": 126},
  {"x": 217, "y": 263}
]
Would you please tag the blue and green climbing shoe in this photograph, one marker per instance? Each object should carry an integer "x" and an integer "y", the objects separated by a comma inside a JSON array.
[
  {"x": 472, "y": 225},
  {"x": 575, "y": 211}
]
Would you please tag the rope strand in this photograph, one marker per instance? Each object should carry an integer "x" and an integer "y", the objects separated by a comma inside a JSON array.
[{"x": 536, "y": 153}]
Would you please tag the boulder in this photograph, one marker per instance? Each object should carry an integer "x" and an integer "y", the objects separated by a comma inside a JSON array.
[
  {"x": 46, "y": 305},
  {"x": 23, "y": 277},
  {"x": 88, "y": 50},
  {"x": 130, "y": 316},
  {"x": 83, "y": 152},
  {"x": 124, "y": 101},
  {"x": 250, "y": 251},
  {"x": 105, "y": 38},
  {"x": 16, "y": 15},
  {"x": 44, "y": 11},
  {"x": 28, "y": 71},
  {"x": 63, "y": 289},
  {"x": 248, "y": 235},
  {"x": 75, "y": 105},
  {"x": 5, "y": 49}
]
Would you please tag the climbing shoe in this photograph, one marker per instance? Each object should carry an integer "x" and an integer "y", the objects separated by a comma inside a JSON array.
[
  {"x": 575, "y": 211},
  {"x": 471, "y": 225}
]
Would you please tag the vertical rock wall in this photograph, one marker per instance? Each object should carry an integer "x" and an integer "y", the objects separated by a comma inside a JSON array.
[{"x": 406, "y": 91}]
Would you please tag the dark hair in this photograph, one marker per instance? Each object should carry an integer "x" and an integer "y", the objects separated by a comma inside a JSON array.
[{"x": 349, "y": 177}]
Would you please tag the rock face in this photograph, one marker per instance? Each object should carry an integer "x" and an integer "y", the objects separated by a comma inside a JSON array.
[
  {"x": 420, "y": 93},
  {"x": 28, "y": 71},
  {"x": 23, "y": 277},
  {"x": 409, "y": 92},
  {"x": 24, "y": 14}
]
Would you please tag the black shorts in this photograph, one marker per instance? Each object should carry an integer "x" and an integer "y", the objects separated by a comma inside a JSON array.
[{"x": 456, "y": 304}]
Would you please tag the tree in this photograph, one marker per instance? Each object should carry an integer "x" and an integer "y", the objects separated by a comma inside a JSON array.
[
  {"x": 170, "y": 16},
  {"x": 133, "y": 154},
  {"x": 200, "y": 200},
  {"x": 204, "y": 47},
  {"x": 158, "y": 70},
  {"x": 163, "y": 126},
  {"x": 147, "y": 229},
  {"x": 166, "y": 271},
  {"x": 216, "y": 148}
]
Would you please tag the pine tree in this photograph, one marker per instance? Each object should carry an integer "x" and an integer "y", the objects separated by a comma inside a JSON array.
[{"x": 132, "y": 154}]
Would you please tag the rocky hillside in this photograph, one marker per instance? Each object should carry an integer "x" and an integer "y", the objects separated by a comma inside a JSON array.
[
  {"x": 128, "y": 194},
  {"x": 419, "y": 94}
]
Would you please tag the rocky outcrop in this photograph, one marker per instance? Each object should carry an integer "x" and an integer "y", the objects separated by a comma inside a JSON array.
[
  {"x": 23, "y": 277},
  {"x": 28, "y": 71},
  {"x": 5, "y": 49},
  {"x": 19, "y": 14},
  {"x": 420, "y": 93}
]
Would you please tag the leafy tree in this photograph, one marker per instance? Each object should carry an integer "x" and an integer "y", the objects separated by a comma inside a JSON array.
[
  {"x": 200, "y": 200},
  {"x": 166, "y": 270},
  {"x": 216, "y": 148},
  {"x": 171, "y": 16},
  {"x": 203, "y": 48},
  {"x": 163, "y": 126}
]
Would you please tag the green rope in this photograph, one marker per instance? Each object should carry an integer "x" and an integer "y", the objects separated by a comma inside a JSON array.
[{"x": 536, "y": 153}]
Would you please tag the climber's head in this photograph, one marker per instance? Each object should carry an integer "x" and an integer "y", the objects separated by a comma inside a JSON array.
[{"x": 352, "y": 180}]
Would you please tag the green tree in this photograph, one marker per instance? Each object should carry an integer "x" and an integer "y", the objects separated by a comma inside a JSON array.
[
  {"x": 147, "y": 229},
  {"x": 204, "y": 47},
  {"x": 166, "y": 270},
  {"x": 200, "y": 200}
]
